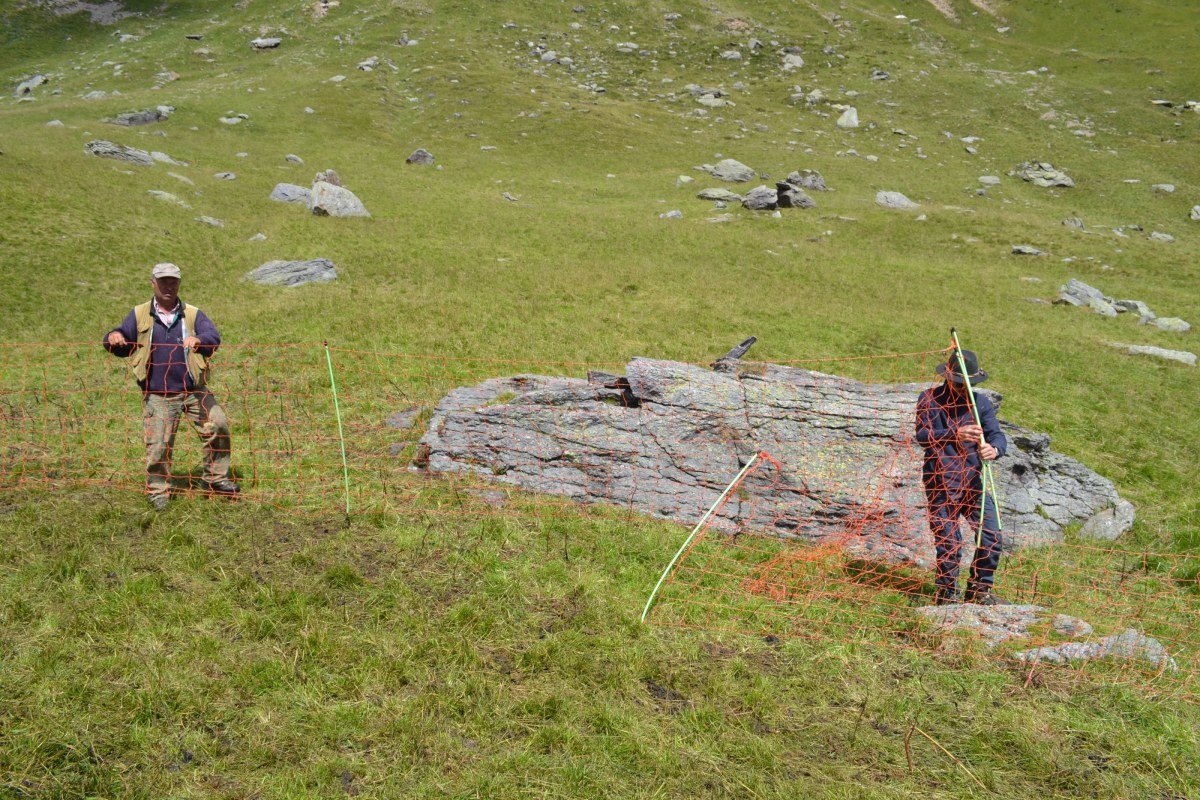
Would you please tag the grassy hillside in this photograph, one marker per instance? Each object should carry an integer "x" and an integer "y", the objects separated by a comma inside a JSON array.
[{"x": 239, "y": 651}]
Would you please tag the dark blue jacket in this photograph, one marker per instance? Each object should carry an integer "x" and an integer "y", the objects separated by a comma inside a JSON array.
[
  {"x": 167, "y": 371},
  {"x": 949, "y": 467}
]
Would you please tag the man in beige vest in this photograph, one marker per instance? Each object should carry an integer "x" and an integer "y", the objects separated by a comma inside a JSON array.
[{"x": 168, "y": 344}]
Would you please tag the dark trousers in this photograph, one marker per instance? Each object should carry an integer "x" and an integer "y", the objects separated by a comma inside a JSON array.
[{"x": 944, "y": 512}]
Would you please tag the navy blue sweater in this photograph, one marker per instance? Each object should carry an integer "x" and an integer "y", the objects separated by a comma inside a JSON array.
[
  {"x": 949, "y": 466},
  {"x": 167, "y": 371}
]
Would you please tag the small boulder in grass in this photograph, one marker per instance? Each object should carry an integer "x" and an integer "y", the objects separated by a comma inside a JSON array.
[
  {"x": 420, "y": 156},
  {"x": 294, "y": 273}
]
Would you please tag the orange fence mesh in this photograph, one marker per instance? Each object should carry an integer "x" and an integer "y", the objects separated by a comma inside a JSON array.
[{"x": 825, "y": 537}]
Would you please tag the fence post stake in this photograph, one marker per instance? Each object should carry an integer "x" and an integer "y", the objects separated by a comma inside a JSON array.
[{"x": 341, "y": 437}]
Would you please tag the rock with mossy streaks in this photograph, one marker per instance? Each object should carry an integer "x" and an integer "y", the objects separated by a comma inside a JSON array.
[
  {"x": 665, "y": 439},
  {"x": 103, "y": 149},
  {"x": 293, "y": 273}
]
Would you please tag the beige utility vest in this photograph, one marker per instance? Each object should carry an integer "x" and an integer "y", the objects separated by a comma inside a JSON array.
[{"x": 139, "y": 362}]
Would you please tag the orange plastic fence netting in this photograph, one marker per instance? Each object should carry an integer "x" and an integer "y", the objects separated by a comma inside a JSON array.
[{"x": 826, "y": 536}]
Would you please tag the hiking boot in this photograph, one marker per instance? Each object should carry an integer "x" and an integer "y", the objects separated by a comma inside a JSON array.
[
  {"x": 983, "y": 596},
  {"x": 947, "y": 597},
  {"x": 158, "y": 502},
  {"x": 225, "y": 488}
]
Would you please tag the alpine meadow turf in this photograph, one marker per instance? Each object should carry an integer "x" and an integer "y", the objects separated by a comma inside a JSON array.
[{"x": 238, "y": 650}]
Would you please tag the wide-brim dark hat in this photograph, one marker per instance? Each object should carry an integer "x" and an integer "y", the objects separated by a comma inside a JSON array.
[{"x": 950, "y": 370}]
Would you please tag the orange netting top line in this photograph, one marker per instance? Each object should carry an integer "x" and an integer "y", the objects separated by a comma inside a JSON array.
[{"x": 826, "y": 535}]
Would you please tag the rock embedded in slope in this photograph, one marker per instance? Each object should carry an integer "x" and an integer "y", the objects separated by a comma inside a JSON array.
[
  {"x": 294, "y": 273},
  {"x": 329, "y": 200},
  {"x": 666, "y": 437},
  {"x": 103, "y": 149},
  {"x": 290, "y": 193},
  {"x": 895, "y": 200},
  {"x": 1042, "y": 173}
]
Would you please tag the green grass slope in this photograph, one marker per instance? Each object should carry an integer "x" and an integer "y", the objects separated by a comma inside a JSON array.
[{"x": 241, "y": 652}]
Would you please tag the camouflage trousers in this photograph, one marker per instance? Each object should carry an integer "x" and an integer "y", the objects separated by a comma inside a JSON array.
[{"x": 161, "y": 413}]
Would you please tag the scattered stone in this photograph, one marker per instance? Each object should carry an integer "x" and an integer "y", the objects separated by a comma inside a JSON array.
[
  {"x": 895, "y": 200},
  {"x": 792, "y": 61},
  {"x": 293, "y": 158},
  {"x": 807, "y": 179},
  {"x": 1071, "y": 626},
  {"x": 1127, "y": 646},
  {"x": 293, "y": 273},
  {"x": 266, "y": 42},
  {"x": 671, "y": 215},
  {"x": 327, "y": 176},
  {"x": 995, "y": 624},
  {"x": 627, "y": 47},
  {"x": 1027, "y": 250},
  {"x": 729, "y": 170},
  {"x": 420, "y": 156},
  {"x": 231, "y": 120},
  {"x": 167, "y": 197},
  {"x": 291, "y": 193},
  {"x": 1159, "y": 236},
  {"x": 719, "y": 195},
  {"x": 258, "y": 237},
  {"x": 210, "y": 221},
  {"x": 163, "y": 158},
  {"x": 27, "y": 86},
  {"x": 989, "y": 180},
  {"x": 1169, "y": 324},
  {"x": 1110, "y": 523},
  {"x": 103, "y": 149},
  {"x": 879, "y": 75},
  {"x": 761, "y": 198},
  {"x": 55, "y": 123},
  {"x": 848, "y": 119},
  {"x": 225, "y": 176},
  {"x": 731, "y": 55},
  {"x": 182, "y": 178},
  {"x": 369, "y": 64},
  {"x": 195, "y": 37},
  {"x": 1142, "y": 310},
  {"x": 684, "y": 180},
  {"x": 330, "y": 200},
  {"x": 95, "y": 95},
  {"x": 1182, "y": 356},
  {"x": 1073, "y": 222},
  {"x": 1163, "y": 188},
  {"x": 1041, "y": 173},
  {"x": 144, "y": 117},
  {"x": 1195, "y": 215},
  {"x": 792, "y": 196}
]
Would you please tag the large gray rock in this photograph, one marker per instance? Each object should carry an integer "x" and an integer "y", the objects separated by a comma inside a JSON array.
[
  {"x": 792, "y": 196},
  {"x": 291, "y": 193},
  {"x": 1077, "y": 293},
  {"x": 849, "y": 119},
  {"x": 1195, "y": 215},
  {"x": 729, "y": 170},
  {"x": 293, "y": 273},
  {"x": 807, "y": 179},
  {"x": 895, "y": 200},
  {"x": 336, "y": 201},
  {"x": 103, "y": 149},
  {"x": 1110, "y": 523},
  {"x": 761, "y": 198},
  {"x": 667, "y": 437},
  {"x": 1041, "y": 173},
  {"x": 266, "y": 42}
]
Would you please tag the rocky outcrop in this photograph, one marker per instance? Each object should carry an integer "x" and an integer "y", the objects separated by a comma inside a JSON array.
[
  {"x": 293, "y": 273},
  {"x": 330, "y": 200},
  {"x": 666, "y": 438},
  {"x": 1041, "y": 173},
  {"x": 103, "y": 149}
]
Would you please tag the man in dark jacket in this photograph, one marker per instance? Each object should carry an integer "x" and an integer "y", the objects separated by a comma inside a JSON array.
[
  {"x": 955, "y": 449},
  {"x": 168, "y": 344}
]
